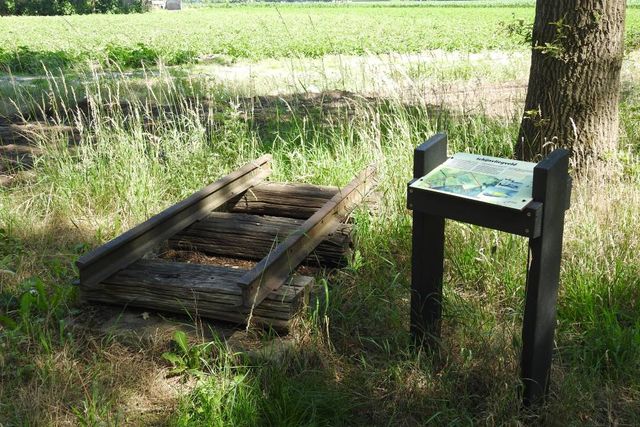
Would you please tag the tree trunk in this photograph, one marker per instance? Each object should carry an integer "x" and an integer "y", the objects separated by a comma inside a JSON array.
[{"x": 574, "y": 83}]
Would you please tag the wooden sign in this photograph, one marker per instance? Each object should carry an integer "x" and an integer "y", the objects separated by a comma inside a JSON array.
[{"x": 534, "y": 209}]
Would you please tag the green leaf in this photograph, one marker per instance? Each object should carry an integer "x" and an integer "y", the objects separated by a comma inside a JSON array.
[
  {"x": 8, "y": 322},
  {"x": 181, "y": 339},
  {"x": 26, "y": 300},
  {"x": 195, "y": 372},
  {"x": 176, "y": 371},
  {"x": 173, "y": 358},
  {"x": 41, "y": 300}
]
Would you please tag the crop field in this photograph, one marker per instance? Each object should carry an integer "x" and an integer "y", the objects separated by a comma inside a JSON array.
[
  {"x": 261, "y": 31},
  {"x": 327, "y": 90}
]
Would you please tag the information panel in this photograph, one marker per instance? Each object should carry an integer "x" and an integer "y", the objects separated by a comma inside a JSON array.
[{"x": 493, "y": 180}]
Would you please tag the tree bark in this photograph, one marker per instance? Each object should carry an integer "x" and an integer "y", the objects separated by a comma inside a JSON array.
[{"x": 574, "y": 83}]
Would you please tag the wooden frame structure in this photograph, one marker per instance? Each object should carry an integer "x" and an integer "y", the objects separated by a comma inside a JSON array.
[
  {"x": 273, "y": 271},
  {"x": 542, "y": 221},
  {"x": 211, "y": 221},
  {"x": 122, "y": 251}
]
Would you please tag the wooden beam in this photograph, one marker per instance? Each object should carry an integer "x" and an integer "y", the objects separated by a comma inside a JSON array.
[
  {"x": 273, "y": 270},
  {"x": 122, "y": 251},
  {"x": 287, "y": 200},
  {"x": 526, "y": 222},
  {"x": 550, "y": 188},
  {"x": 200, "y": 290},
  {"x": 252, "y": 237}
]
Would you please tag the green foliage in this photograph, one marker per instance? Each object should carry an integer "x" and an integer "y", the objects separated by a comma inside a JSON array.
[
  {"x": 350, "y": 362},
  {"x": 259, "y": 31},
  {"x": 35, "y": 320},
  {"x": 632, "y": 39},
  {"x": 556, "y": 48},
  {"x": 266, "y": 396},
  {"x": 186, "y": 358},
  {"x": 135, "y": 56},
  {"x": 68, "y": 7},
  {"x": 36, "y": 305},
  {"x": 223, "y": 399},
  {"x": 145, "y": 55},
  {"x": 10, "y": 249},
  {"x": 32, "y": 61},
  {"x": 519, "y": 29},
  {"x": 603, "y": 315}
]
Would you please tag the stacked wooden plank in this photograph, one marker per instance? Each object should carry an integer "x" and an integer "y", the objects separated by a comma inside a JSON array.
[
  {"x": 203, "y": 290},
  {"x": 240, "y": 217},
  {"x": 254, "y": 237}
]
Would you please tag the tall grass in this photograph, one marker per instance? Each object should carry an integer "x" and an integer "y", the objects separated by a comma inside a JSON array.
[{"x": 351, "y": 361}]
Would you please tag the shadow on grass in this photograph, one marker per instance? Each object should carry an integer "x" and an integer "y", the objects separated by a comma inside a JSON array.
[{"x": 281, "y": 124}]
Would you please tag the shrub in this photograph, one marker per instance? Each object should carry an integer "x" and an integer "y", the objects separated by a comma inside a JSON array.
[{"x": 68, "y": 7}]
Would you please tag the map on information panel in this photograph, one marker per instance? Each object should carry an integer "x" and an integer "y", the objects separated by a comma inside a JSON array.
[{"x": 492, "y": 180}]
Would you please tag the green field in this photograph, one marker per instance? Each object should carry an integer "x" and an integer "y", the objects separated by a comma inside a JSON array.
[
  {"x": 348, "y": 360},
  {"x": 259, "y": 31}
]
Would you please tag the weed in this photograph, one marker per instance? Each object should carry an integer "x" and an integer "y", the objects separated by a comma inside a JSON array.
[
  {"x": 519, "y": 29},
  {"x": 187, "y": 358}
]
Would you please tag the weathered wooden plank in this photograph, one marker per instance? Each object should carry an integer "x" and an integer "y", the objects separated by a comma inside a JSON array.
[
  {"x": 204, "y": 277},
  {"x": 272, "y": 271},
  {"x": 31, "y": 133},
  {"x": 117, "y": 254},
  {"x": 19, "y": 149},
  {"x": 254, "y": 237},
  {"x": 285, "y": 200},
  {"x": 203, "y": 290}
]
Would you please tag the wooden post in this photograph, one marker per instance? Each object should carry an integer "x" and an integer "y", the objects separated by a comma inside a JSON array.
[
  {"x": 542, "y": 220},
  {"x": 427, "y": 255},
  {"x": 551, "y": 187}
]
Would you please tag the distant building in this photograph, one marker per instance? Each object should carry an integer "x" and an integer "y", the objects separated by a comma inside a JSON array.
[
  {"x": 173, "y": 5},
  {"x": 167, "y": 4}
]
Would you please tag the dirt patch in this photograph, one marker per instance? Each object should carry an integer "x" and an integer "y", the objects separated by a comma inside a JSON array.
[
  {"x": 200, "y": 258},
  {"x": 153, "y": 331},
  {"x": 498, "y": 100}
]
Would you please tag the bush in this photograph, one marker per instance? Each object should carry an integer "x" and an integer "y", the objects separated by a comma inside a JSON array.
[
  {"x": 68, "y": 7},
  {"x": 27, "y": 60}
]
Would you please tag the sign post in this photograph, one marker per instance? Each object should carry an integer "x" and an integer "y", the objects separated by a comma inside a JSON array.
[{"x": 541, "y": 219}]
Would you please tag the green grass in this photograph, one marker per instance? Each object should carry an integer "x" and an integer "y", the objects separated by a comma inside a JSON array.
[
  {"x": 351, "y": 362},
  {"x": 253, "y": 32},
  {"x": 258, "y": 32}
]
